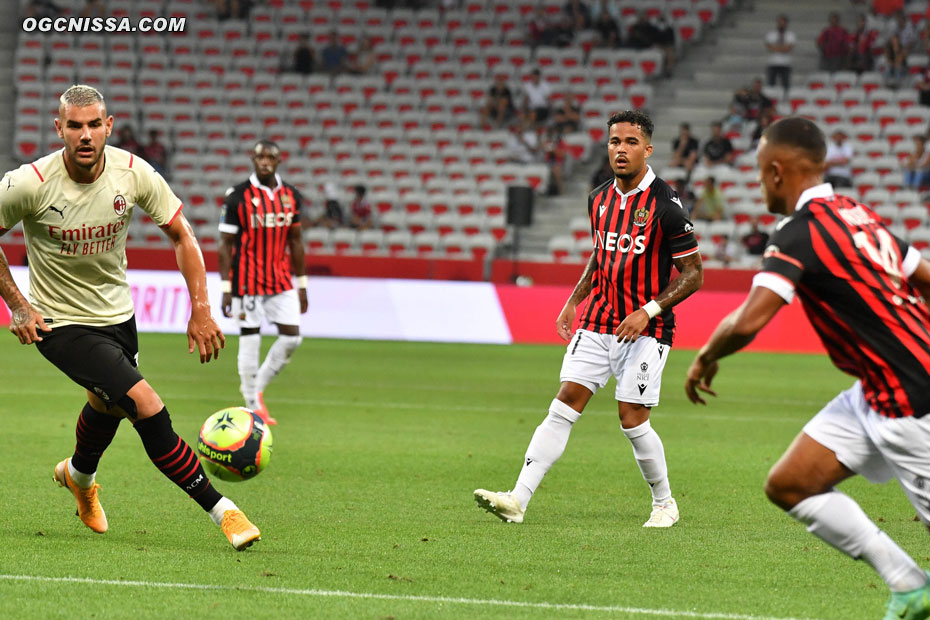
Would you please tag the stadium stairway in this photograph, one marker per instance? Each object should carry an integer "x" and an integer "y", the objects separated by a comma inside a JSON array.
[
  {"x": 730, "y": 57},
  {"x": 9, "y": 24}
]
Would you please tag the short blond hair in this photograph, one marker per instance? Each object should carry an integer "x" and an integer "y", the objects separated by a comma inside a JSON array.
[{"x": 80, "y": 95}]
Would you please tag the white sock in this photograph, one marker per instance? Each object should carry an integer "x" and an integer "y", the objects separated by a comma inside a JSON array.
[
  {"x": 80, "y": 478},
  {"x": 546, "y": 446},
  {"x": 249, "y": 350},
  {"x": 278, "y": 356},
  {"x": 838, "y": 520},
  {"x": 650, "y": 456},
  {"x": 217, "y": 512}
]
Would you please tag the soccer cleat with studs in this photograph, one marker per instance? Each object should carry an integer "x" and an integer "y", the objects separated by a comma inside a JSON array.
[
  {"x": 262, "y": 411},
  {"x": 504, "y": 506},
  {"x": 913, "y": 605},
  {"x": 665, "y": 515},
  {"x": 239, "y": 530},
  {"x": 88, "y": 505}
]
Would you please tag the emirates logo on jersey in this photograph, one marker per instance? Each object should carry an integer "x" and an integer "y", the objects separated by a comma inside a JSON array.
[{"x": 119, "y": 205}]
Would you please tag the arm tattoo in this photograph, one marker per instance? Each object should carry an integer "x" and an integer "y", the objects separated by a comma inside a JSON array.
[
  {"x": 10, "y": 292},
  {"x": 584, "y": 284},
  {"x": 690, "y": 279}
]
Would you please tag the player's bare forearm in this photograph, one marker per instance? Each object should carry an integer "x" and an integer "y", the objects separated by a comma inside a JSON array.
[
  {"x": 690, "y": 278},
  {"x": 8, "y": 289},
  {"x": 583, "y": 288},
  {"x": 296, "y": 247},
  {"x": 190, "y": 262},
  {"x": 739, "y": 327},
  {"x": 224, "y": 255}
]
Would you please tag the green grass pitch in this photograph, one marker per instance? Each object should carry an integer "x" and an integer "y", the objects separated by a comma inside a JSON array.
[{"x": 366, "y": 508}]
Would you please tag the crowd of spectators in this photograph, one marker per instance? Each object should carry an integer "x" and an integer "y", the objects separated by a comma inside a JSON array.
[{"x": 334, "y": 58}]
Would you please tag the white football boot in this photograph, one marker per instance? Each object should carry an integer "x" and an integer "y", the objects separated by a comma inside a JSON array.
[
  {"x": 665, "y": 515},
  {"x": 504, "y": 506}
]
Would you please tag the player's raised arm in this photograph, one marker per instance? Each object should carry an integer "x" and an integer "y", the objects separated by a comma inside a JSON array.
[
  {"x": 202, "y": 331},
  {"x": 566, "y": 319},
  {"x": 23, "y": 317}
]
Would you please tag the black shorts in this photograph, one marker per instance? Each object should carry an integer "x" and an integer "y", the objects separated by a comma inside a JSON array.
[{"x": 103, "y": 360}]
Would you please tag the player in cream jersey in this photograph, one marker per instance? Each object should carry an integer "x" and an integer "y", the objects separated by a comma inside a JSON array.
[
  {"x": 75, "y": 206},
  {"x": 76, "y": 232}
]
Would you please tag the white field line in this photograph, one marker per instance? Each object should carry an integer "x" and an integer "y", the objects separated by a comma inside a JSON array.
[{"x": 667, "y": 613}]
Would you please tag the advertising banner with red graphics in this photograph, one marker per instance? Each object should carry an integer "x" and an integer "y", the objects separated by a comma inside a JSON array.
[{"x": 441, "y": 311}]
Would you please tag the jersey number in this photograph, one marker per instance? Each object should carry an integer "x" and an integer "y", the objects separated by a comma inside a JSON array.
[{"x": 885, "y": 255}]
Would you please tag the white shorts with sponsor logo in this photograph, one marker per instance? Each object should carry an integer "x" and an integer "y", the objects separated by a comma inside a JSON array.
[
  {"x": 877, "y": 447},
  {"x": 251, "y": 310},
  {"x": 592, "y": 358}
]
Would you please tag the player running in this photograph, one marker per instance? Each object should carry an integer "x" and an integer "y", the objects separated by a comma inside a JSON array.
[
  {"x": 75, "y": 205},
  {"x": 864, "y": 291},
  {"x": 260, "y": 246},
  {"x": 639, "y": 231}
]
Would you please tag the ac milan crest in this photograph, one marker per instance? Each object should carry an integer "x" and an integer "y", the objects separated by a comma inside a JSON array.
[{"x": 119, "y": 204}]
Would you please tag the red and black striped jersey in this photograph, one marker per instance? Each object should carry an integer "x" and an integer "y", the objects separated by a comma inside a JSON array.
[
  {"x": 851, "y": 275},
  {"x": 636, "y": 236},
  {"x": 261, "y": 219}
]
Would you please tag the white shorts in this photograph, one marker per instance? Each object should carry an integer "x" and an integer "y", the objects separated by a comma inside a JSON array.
[
  {"x": 877, "y": 447},
  {"x": 251, "y": 310},
  {"x": 592, "y": 358}
]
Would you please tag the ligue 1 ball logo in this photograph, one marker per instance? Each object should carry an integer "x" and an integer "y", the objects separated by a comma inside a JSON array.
[{"x": 119, "y": 204}]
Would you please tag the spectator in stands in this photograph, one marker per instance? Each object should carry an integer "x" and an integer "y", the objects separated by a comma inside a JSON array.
[
  {"x": 567, "y": 117},
  {"x": 755, "y": 241},
  {"x": 232, "y": 9},
  {"x": 602, "y": 174},
  {"x": 895, "y": 70},
  {"x": 838, "y": 159},
  {"x": 304, "y": 57},
  {"x": 685, "y": 195},
  {"x": 756, "y": 102},
  {"x": 364, "y": 59},
  {"x": 709, "y": 204},
  {"x": 916, "y": 164},
  {"x": 861, "y": 42},
  {"x": 736, "y": 114},
  {"x": 579, "y": 13},
  {"x": 780, "y": 43},
  {"x": 93, "y": 8},
  {"x": 665, "y": 41},
  {"x": 523, "y": 143},
  {"x": 923, "y": 86},
  {"x": 684, "y": 149},
  {"x": 335, "y": 55},
  {"x": 155, "y": 152},
  {"x": 539, "y": 28},
  {"x": 725, "y": 249},
  {"x": 536, "y": 94},
  {"x": 767, "y": 118},
  {"x": 360, "y": 212},
  {"x": 563, "y": 32},
  {"x": 923, "y": 43},
  {"x": 42, "y": 8},
  {"x": 554, "y": 152},
  {"x": 333, "y": 217},
  {"x": 498, "y": 106},
  {"x": 127, "y": 141},
  {"x": 906, "y": 31},
  {"x": 718, "y": 149},
  {"x": 608, "y": 32},
  {"x": 834, "y": 45},
  {"x": 643, "y": 34}
]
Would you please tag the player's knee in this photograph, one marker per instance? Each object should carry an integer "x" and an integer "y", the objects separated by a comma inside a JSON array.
[
  {"x": 785, "y": 491},
  {"x": 128, "y": 405},
  {"x": 290, "y": 344}
]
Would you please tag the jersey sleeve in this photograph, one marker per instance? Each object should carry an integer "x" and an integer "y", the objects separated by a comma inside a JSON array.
[
  {"x": 155, "y": 196},
  {"x": 17, "y": 196},
  {"x": 229, "y": 214},
  {"x": 299, "y": 204},
  {"x": 677, "y": 228},
  {"x": 785, "y": 259}
]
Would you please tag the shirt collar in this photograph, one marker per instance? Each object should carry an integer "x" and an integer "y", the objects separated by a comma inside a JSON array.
[
  {"x": 824, "y": 190},
  {"x": 256, "y": 183},
  {"x": 646, "y": 182}
]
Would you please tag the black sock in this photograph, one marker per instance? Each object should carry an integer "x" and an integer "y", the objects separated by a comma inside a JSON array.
[
  {"x": 175, "y": 459},
  {"x": 93, "y": 433}
]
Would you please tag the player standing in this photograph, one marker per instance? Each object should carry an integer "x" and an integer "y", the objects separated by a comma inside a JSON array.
[
  {"x": 76, "y": 205},
  {"x": 861, "y": 288},
  {"x": 639, "y": 231},
  {"x": 260, "y": 223}
]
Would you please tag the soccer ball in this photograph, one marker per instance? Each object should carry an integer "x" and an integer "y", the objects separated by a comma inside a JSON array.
[{"x": 234, "y": 444}]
